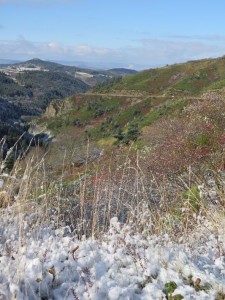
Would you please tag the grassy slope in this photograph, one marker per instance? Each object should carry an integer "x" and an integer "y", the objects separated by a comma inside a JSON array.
[
  {"x": 190, "y": 78},
  {"x": 163, "y": 95}
]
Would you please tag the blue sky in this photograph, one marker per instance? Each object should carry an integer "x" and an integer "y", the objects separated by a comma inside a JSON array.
[{"x": 118, "y": 33}]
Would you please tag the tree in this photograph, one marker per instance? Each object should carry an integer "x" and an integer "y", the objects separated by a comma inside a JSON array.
[{"x": 132, "y": 134}]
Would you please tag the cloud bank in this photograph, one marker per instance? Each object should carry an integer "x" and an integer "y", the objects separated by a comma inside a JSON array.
[{"x": 144, "y": 53}]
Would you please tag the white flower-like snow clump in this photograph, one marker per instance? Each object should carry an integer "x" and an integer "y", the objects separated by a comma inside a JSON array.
[{"x": 49, "y": 264}]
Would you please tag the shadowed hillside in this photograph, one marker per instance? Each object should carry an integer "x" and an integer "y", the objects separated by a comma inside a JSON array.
[{"x": 35, "y": 83}]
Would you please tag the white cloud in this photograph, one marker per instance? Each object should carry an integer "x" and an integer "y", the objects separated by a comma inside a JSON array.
[
  {"x": 24, "y": 48},
  {"x": 165, "y": 51},
  {"x": 206, "y": 38},
  {"x": 144, "y": 54}
]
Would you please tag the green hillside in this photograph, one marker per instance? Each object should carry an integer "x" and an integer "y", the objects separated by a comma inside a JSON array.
[
  {"x": 144, "y": 111},
  {"x": 191, "y": 78}
]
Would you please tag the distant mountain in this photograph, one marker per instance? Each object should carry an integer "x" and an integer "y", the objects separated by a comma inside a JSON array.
[
  {"x": 35, "y": 83},
  {"x": 100, "y": 65},
  {"x": 35, "y": 89},
  {"x": 89, "y": 76},
  {"x": 122, "y": 71}
]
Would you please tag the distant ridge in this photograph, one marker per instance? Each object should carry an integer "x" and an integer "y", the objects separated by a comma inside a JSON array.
[
  {"x": 122, "y": 71},
  {"x": 34, "y": 83}
]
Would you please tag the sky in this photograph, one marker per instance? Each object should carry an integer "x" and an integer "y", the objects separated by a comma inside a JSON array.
[{"x": 137, "y": 34}]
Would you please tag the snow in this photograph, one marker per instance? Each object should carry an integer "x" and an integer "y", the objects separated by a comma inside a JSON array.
[
  {"x": 84, "y": 74},
  {"x": 48, "y": 263}
]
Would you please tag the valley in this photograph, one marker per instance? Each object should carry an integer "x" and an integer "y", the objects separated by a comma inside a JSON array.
[
  {"x": 169, "y": 119},
  {"x": 26, "y": 90}
]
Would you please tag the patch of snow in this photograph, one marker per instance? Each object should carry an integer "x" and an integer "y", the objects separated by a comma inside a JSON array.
[
  {"x": 41, "y": 262},
  {"x": 83, "y": 74}
]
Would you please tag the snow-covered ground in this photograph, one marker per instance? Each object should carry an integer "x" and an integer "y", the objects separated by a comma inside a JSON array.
[{"x": 37, "y": 262}]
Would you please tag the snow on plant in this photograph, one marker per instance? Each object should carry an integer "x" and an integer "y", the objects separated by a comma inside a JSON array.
[
  {"x": 130, "y": 261},
  {"x": 122, "y": 264}
]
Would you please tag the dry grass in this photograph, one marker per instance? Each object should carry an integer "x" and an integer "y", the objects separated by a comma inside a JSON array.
[
  {"x": 85, "y": 206},
  {"x": 88, "y": 202}
]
